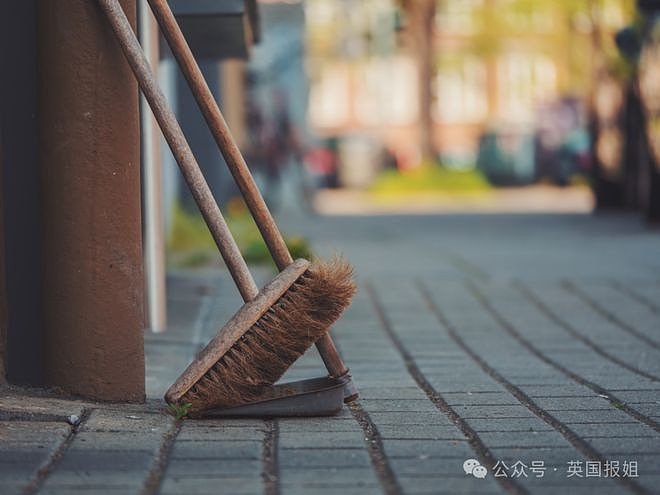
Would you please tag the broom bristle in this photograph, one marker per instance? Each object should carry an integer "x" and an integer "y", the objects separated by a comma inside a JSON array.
[{"x": 290, "y": 326}]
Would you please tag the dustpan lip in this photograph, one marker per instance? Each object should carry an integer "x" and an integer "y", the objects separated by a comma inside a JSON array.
[{"x": 321, "y": 396}]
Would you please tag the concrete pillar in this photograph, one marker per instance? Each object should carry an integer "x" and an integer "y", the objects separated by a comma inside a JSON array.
[{"x": 89, "y": 156}]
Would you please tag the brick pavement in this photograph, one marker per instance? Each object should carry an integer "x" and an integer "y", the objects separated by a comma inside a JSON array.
[{"x": 505, "y": 339}]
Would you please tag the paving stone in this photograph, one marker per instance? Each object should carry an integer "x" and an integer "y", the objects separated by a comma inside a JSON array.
[
  {"x": 524, "y": 439},
  {"x": 495, "y": 411},
  {"x": 572, "y": 403},
  {"x": 86, "y": 489},
  {"x": 129, "y": 421},
  {"x": 329, "y": 475},
  {"x": 588, "y": 430},
  {"x": 186, "y": 468},
  {"x": 331, "y": 490},
  {"x": 428, "y": 432},
  {"x": 129, "y": 481},
  {"x": 117, "y": 441},
  {"x": 326, "y": 425},
  {"x": 465, "y": 485},
  {"x": 424, "y": 449},
  {"x": 89, "y": 460},
  {"x": 317, "y": 458},
  {"x": 311, "y": 440},
  {"x": 208, "y": 485},
  {"x": 483, "y": 398},
  {"x": 432, "y": 419},
  {"x": 231, "y": 449},
  {"x": 621, "y": 446},
  {"x": 606, "y": 416},
  {"x": 200, "y": 432},
  {"x": 400, "y": 405}
]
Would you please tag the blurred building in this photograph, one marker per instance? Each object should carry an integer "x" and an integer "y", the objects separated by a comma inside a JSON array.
[{"x": 496, "y": 63}]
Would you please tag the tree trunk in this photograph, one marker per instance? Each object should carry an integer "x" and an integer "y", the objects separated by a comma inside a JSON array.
[{"x": 422, "y": 16}]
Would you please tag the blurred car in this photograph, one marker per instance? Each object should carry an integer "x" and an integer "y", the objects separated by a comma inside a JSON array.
[
  {"x": 506, "y": 155},
  {"x": 556, "y": 147},
  {"x": 562, "y": 141}
]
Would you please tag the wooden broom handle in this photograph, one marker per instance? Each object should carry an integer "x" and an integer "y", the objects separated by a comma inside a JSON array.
[
  {"x": 235, "y": 161},
  {"x": 180, "y": 149}
]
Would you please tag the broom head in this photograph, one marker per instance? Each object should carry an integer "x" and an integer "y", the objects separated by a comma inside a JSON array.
[{"x": 266, "y": 336}]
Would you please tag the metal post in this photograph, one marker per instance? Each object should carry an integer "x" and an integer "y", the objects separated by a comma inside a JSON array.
[{"x": 152, "y": 180}]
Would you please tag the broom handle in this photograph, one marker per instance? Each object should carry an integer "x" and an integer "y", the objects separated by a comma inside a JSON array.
[
  {"x": 180, "y": 149},
  {"x": 235, "y": 161}
]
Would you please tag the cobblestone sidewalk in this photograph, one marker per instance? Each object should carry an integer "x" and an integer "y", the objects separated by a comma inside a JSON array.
[{"x": 529, "y": 344}]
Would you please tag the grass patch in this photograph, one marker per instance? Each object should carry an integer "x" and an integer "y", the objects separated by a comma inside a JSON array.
[
  {"x": 430, "y": 179},
  {"x": 191, "y": 245},
  {"x": 179, "y": 411}
]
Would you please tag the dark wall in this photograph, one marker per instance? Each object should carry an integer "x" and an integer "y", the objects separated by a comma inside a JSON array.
[
  {"x": 3, "y": 292},
  {"x": 20, "y": 190}
]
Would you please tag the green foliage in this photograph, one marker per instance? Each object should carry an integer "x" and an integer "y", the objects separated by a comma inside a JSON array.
[
  {"x": 430, "y": 178},
  {"x": 189, "y": 232},
  {"x": 179, "y": 411},
  {"x": 191, "y": 245}
]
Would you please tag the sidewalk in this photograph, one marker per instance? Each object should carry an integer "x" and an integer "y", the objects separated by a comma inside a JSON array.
[{"x": 530, "y": 343}]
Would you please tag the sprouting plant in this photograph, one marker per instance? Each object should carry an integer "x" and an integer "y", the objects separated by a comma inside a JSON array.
[
  {"x": 179, "y": 411},
  {"x": 618, "y": 405}
]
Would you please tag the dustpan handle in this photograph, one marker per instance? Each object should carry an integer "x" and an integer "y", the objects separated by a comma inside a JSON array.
[
  {"x": 235, "y": 161},
  {"x": 180, "y": 149}
]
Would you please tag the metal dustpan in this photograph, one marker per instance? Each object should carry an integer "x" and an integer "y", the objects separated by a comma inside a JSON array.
[{"x": 322, "y": 396}]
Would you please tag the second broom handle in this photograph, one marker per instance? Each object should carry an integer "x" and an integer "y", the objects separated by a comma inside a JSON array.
[
  {"x": 237, "y": 166},
  {"x": 222, "y": 134},
  {"x": 180, "y": 149}
]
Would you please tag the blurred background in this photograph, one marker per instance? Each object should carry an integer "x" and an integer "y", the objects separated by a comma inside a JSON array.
[
  {"x": 419, "y": 106},
  {"x": 348, "y": 106}
]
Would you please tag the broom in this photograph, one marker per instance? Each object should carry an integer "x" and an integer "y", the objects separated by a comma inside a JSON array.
[
  {"x": 278, "y": 324},
  {"x": 240, "y": 171}
]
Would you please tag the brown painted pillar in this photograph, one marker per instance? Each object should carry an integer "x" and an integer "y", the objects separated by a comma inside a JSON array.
[{"x": 90, "y": 177}]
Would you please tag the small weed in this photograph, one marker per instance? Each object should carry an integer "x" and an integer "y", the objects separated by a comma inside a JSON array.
[
  {"x": 618, "y": 405},
  {"x": 179, "y": 411}
]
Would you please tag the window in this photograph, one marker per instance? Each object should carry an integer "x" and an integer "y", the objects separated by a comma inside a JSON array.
[
  {"x": 386, "y": 90},
  {"x": 329, "y": 97},
  {"x": 524, "y": 80},
  {"x": 458, "y": 16},
  {"x": 461, "y": 93}
]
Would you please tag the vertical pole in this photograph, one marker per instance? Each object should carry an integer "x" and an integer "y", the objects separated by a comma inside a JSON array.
[
  {"x": 152, "y": 175},
  {"x": 89, "y": 152}
]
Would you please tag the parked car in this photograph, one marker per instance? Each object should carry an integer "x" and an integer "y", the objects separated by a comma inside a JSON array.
[
  {"x": 562, "y": 141},
  {"x": 506, "y": 155}
]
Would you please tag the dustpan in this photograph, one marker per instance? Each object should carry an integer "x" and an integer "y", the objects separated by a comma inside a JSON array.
[{"x": 322, "y": 396}]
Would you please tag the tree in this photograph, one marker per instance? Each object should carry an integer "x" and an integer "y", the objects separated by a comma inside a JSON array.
[{"x": 421, "y": 23}]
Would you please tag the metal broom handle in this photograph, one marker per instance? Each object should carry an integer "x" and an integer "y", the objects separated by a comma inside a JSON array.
[
  {"x": 235, "y": 161},
  {"x": 180, "y": 149}
]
